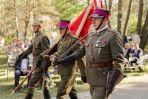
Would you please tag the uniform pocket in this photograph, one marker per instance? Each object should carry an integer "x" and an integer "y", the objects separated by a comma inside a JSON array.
[{"x": 100, "y": 44}]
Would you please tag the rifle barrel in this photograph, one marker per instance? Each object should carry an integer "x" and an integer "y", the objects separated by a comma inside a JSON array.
[{"x": 23, "y": 81}]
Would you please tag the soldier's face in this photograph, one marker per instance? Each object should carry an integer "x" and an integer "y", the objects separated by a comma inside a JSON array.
[
  {"x": 96, "y": 21},
  {"x": 35, "y": 28},
  {"x": 62, "y": 31}
]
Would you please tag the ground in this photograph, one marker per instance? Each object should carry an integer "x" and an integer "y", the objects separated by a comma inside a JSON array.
[
  {"x": 131, "y": 88},
  {"x": 135, "y": 86}
]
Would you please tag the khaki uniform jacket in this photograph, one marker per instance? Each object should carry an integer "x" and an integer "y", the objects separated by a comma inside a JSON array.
[
  {"x": 70, "y": 67},
  {"x": 102, "y": 47},
  {"x": 39, "y": 44}
]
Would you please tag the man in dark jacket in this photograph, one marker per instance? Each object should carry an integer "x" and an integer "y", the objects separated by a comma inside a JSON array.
[{"x": 40, "y": 43}]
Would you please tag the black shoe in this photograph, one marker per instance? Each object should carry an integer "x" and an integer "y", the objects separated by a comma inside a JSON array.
[
  {"x": 46, "y": 94},
  {"x": 84, "y": 79},
  {"x": 29, "y": 96},
  {"x": 140, "y": 69}
]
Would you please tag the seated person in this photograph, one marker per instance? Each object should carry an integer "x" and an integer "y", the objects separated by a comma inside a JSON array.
[
  {"x": 22, "y": 68},
  {"x": 134, "y": 56}
]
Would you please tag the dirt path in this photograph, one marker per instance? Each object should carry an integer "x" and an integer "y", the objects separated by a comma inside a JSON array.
[
  {"x": 130, "y": 88},
  {"x": 138, "y": 90}
]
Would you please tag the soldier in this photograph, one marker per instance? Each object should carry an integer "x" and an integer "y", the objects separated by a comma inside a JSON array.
[
  {"x": 104, "y": 53},
  {"x": 67, "y": 71},
  {"x": 40, "y": 43}
]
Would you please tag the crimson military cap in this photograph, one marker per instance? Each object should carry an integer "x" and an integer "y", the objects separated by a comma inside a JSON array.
[
  {"x": 100, "y": 12},
  {"x": 63, "y": 24}
]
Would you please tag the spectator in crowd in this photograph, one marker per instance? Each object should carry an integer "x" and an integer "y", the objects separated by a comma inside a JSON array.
[
  {"x": 136, "y": 38},
  {"x": 134, "y": 55},
  {"x": 22, "y": 68}
]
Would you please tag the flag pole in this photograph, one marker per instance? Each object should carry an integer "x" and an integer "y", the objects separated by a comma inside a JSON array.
[{"x": 83, "y": 20}]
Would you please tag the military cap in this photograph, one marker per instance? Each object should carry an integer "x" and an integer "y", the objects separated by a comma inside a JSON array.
[
  {"x": 100, "y": 12},
  {"x": 63, "y": 24},
  {"x": 37, "y": 22}
]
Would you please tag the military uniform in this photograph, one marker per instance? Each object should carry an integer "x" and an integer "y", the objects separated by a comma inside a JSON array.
[
  {"x": 67, "y": 70},
  {"x": 39, "y": 44},
  {"x": 102, "y": 49},
  {"x": 104, "y": 52}
]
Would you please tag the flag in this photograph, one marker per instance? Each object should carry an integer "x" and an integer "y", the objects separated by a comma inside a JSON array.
[{"x": 75, "y": 24}]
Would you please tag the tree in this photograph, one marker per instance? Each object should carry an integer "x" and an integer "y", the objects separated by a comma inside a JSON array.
[
  {"x": 140, "y": 12},
  {"x": 27, "y": 16},
  {"x": 108, "y": 6},
  {"x": 16, "y": 18},
  {"x": 88, "y": 2},
  {"x": 70, "y": 9},
  {"x": 144, "y": 36},
  {"x": 127, "y": 18},
  {"x": 119, "y": 16}
]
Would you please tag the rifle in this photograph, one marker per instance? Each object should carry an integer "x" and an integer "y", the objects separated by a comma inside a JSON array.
[
  {"x": 14, "y": 91},
  {"x": 72, "y": 47},
  {"x": 49, "y": 52},
  {"x": 113, "y": 78},
  {"x": 45, "y": 62}
]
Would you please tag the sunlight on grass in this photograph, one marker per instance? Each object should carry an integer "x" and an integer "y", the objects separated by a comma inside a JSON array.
[{"x": 6, "y": 87}]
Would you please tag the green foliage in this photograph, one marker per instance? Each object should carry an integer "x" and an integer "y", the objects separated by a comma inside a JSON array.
[
  {"x": 132, "y": 23},
  {"x": 68, "y": 8}
]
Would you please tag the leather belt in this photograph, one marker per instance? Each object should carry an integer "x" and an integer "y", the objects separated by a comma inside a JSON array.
[{"x": 97, "y": 65}]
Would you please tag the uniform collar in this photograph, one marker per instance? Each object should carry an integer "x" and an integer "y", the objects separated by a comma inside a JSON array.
[
  {"x": 37, "y": 34},
  {"x": 100, "y": 31}
]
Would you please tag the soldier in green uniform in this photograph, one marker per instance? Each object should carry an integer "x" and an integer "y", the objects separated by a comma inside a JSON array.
[
  {"x": 104, "y": 53},
  {"x": 40, "y": 43},
  {"x": 66, "y": 70}
]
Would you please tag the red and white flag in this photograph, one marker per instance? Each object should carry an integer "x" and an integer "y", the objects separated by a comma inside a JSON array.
[{"x": 75, "y": 25}]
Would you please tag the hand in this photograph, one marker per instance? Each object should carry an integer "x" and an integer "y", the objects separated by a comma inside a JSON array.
[
  {"x": 55, "y": 62},
  {"x": 84, "y": 79},
  {"x": 39, "y": 61},
  {"x": 46, "y": 57}
]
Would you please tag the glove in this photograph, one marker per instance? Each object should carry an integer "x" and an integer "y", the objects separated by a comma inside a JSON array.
[
  {"x": 58, "y": 61},
  {"x": 39, "y": 61},
  {"x": 46, "y": 63},
  {"x": 84, "y": 79},
  {"x": 69, "y": 58}
]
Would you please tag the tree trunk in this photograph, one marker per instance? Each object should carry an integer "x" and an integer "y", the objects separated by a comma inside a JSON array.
[
  {"x": 16, "y": 19},
  {"x": 110, "y": 4},
  {"x": 119, "y": 16},
  {"x": 27, "y": 17},
  {"x": 144, "y": 36},
  {"x": 127, "y": 18},
  {"x": 106, "y": 6},
  {"x": 88, "y": 2},
  {"x": 109, "y": 8},
  {"x": 139, "y": 22}
]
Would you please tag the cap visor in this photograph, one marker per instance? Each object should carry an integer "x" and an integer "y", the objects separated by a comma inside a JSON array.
[{"x": 95, "y": 16}]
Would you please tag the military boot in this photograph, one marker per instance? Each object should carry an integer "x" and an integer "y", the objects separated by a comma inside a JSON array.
[
  {"x": 73, "y": 94},
  {"x": 29, "y": 96},
  {"x": 140, "y": 69},
  {"x": 46, "y": 94}
]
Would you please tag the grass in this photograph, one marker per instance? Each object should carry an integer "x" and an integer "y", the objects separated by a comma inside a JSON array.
[{"x": 6, "y": 87}]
